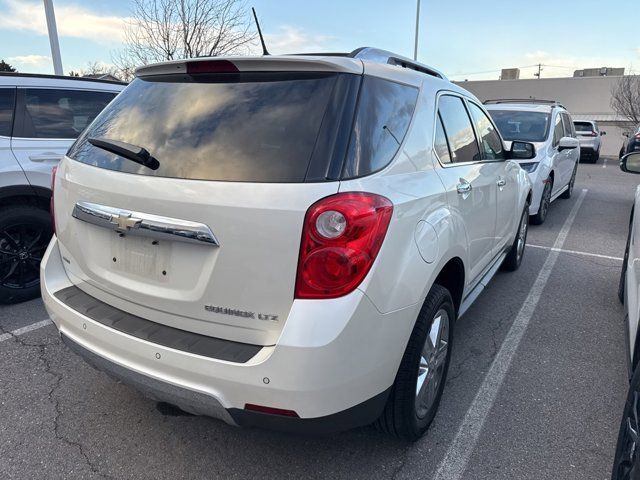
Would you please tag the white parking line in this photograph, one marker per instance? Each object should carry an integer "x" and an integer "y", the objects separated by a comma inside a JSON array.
[
  {"x": 604, "y": 163},
  {"x": 25, "y": 329},
  {"x": 575, "y": 252},
  {"x": 455, "y": 461}
]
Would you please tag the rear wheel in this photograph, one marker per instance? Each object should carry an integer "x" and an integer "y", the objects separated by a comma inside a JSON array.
[
  {"x": 25, "y": 233},
  {"x": 596, "y": 156},
  {"x": 514, "y": 258},
  {"x": 416, "y": 392},
  {"x": 545, "y": 201}
]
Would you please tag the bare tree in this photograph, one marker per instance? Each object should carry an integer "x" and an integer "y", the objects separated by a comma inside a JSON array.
[
  {"x": 163, "y": 30},
  {"x": 625, "y": 98}
]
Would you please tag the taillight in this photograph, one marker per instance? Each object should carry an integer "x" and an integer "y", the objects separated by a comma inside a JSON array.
[
  {"x": 54, "y": 170},
  {"x": 637, "y": 135},
  {"x": 594, "y": 134},
  {"x": 341, "y": 237}
]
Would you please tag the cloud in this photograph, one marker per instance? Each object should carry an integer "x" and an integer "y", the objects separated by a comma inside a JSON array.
[
  {"x": 29, "y": 62},
  {"x": 290, "y": 39},
  {"x": 71, "y": 20}
]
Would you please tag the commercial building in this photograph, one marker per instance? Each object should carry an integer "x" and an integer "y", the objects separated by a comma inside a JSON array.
[{"x": 586, "y": 97}]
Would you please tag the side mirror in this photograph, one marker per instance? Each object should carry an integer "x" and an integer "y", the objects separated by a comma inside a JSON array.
[
  {"x": 630, "y": 163},
  {"x": 568, "y": 143},
  {"x": 522, "y": 151},
  {"x": 603, "y": 133}
]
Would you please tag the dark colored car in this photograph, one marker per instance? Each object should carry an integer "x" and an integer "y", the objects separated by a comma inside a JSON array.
[{"x": 632, "y": 143}]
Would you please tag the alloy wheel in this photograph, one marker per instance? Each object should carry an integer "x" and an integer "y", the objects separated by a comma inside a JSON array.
[
  {"x": 22, "y": 247},
  {"x": 433, "y": 359}
]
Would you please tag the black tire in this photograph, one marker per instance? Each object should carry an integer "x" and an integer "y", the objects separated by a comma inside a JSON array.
[
  {"x": 625, "y": 260},
  {"x": 596, "y": 156},
  {"x": 626, "y": 462},
  {"x": 400, "y": 415},
  {"x": 25, "y": 232},
  {"x": 569, "y": 191},
  {"x": 514, "y": 258},
  {"x": 541, "y": 216}
]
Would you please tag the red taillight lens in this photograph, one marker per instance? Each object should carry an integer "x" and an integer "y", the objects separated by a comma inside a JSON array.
[
  {"x": 211, "y": 66},
  {"x": 54, "y": 170},
  {"x": 594, "y": 134},
  {"x": 341, "y": 237},
  {"x": 637, "y": 135}
]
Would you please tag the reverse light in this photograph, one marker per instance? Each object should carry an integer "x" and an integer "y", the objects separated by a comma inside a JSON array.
[
  {"x": 54, "y": 171},
  {"x": 341, "y": 238}
]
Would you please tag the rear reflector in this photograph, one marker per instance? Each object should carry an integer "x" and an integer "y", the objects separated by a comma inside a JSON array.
[
  {"x": 270, "y": 410},
  {"x": 211, "y": 66}
]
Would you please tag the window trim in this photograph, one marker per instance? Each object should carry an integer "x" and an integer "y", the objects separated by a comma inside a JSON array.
[
  {"x": 558, "y": 116},
  {"x": 13, "y": 116},
  {"x": 20, "y": 101},
  {"x": 451, "y": 93}
]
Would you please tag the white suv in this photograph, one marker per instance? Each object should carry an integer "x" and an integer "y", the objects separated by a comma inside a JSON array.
[
  {"x": 549, "y": 126},
  {"x": 40, "y": 117},
  {"x": 284, "y": 241}
]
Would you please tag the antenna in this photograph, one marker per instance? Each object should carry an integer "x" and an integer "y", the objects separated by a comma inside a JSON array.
[{"x": 264, "y": 47}]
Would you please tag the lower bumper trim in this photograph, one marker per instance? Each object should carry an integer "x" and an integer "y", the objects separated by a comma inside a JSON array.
[{"x": 188, "y": 400}]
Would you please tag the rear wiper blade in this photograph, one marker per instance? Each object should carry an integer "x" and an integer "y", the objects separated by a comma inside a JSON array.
[{"x": 131, "y": 152}]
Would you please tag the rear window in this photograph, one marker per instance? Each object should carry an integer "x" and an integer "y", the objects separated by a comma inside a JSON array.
[
  {"x": 255, "y": 127},
  {"x": 583, "y": 127},
  {"x": 231, "y": 127},
  {"x": 524, "y": 126},
  {"x": 7, "y": 102}
]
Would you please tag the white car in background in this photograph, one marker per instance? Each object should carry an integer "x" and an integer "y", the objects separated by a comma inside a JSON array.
[
  {"x": 40, "y": 117},
  {"x": 590, "y": 138},
  {"x": 284, "y": 241},
  {"x": 548, "y": 125}
]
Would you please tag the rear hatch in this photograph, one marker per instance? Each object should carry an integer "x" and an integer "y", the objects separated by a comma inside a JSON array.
[{"x": 208, "y": 241}]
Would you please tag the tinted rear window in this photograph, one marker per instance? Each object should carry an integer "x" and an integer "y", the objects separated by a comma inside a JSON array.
[
  {"x": 234, "y": 127},
  {"x": 7, "y": 103},
  {"x": 583, "y": 127},
  {"x": 384, "y": 112},
  {"x": 525, "y": 126}
]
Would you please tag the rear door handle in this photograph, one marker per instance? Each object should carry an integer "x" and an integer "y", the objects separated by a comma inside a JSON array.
[
  {"x": 501, "y": 182},
  {"x": 46, "y": 157},
  {"x": 464, "y": 187}
]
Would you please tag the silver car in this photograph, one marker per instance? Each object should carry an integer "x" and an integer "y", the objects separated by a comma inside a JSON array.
[{"x": 590, "y": 142}]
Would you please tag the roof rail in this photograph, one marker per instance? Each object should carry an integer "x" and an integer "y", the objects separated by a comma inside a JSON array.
[
  {"x": 539, "y": 101},
  {"x": 382, "y": 56},
  {"x": 59, "y": 77}
]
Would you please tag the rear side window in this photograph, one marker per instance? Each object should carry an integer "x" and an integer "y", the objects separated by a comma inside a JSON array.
[
  {"x": 7, "y": 103},
  {"x": 247, "y": 127},
  {"x": 382, "y": 119},
  {"x": 457, "y": 126},
  {"x": 57, "y": 113},
  {"x": 489, "y": 139}
]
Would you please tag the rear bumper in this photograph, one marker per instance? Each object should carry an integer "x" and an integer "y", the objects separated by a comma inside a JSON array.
[{"x": 333, "y": 365}]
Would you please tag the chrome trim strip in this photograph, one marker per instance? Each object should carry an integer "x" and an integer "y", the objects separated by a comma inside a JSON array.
[{"x": 144, "y": 224}]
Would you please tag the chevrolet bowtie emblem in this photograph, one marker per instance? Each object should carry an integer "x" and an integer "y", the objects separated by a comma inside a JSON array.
[{"x": 124, "y": 221}]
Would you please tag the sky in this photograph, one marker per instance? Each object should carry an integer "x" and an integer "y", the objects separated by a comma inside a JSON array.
[{"x": 466, "y": 39}]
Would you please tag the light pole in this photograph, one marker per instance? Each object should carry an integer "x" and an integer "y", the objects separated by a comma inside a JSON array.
[
  {"x": 53, "y": 37},
  {"x": 415, "y": 48}
]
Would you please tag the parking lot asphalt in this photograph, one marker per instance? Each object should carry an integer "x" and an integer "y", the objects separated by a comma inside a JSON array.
[{"x": 535, "y": 389}]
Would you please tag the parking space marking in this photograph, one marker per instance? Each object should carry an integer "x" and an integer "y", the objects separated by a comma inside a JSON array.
[
  {"x": 604, "y": 163},
  {"x": 575, "y": 252},
  {"x": 25, "y": 329},
  {"x": 456, "y": 458}
]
